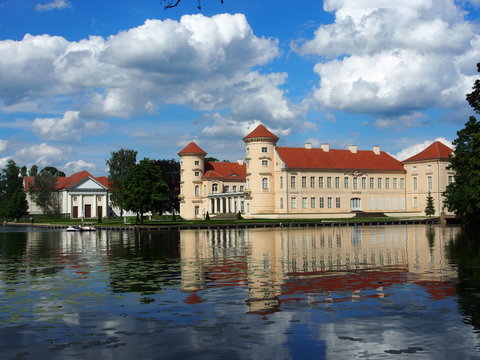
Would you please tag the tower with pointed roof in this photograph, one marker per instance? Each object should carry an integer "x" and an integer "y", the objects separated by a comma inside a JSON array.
[
  {"x": 260, "y": 182},
  {"x": 192, "y": 159}
]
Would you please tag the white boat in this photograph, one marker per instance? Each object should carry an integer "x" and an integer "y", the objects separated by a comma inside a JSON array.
[{"x": 72, "y": 228}]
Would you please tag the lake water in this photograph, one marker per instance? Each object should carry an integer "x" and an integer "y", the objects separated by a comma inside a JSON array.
[{"x": 372, "y": 292}]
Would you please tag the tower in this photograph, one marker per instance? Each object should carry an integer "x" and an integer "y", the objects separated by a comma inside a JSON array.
[
  {"x": 192, "y": 165},
  {"x": 260, "y": 154}
]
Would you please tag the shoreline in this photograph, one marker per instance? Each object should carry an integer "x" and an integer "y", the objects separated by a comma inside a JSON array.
[{"x": 245, "y": 225}]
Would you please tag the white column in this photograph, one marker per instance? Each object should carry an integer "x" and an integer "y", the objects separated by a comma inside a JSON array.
[
  {"x": 210, "y": 205},
  {"x": 221, "y": 205},
  {"x": 81, "y": 212},
  {"x": 95, "y": 207}
]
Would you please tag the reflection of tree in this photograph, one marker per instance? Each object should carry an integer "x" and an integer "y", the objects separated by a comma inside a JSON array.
[
  {"x": 430, "y": 234},
  {"x": 12, "y": 250},
  {"x": 465, "y": 252},
  {"x": 146, "y": 263}
]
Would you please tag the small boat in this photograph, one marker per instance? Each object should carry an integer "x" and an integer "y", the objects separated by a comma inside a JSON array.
[
  {"x": 72, "y": 228},
  {"x": 87, "y": 228}
]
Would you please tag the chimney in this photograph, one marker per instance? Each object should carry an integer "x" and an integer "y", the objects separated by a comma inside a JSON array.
[
  {"x": 376, "y": 150},
  {"x": 352, "y": 148},
  {"x": 325, "y": 147},
  {"x": 308, "y": 145},
  {"x": 240, "y": 161}
]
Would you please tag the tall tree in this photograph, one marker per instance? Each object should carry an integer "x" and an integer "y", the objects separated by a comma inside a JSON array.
[
  {"x": 170, "y": 170},
  {"x": 473, "y": 98},
  {"x": 463, "y": 195},
  {"x": 33, "y": 170},
  {"x": 430, "y": 208},
  {"x": 119, "y": 164},
  {"x": 13, "y": 201},
  {"x": 23, "y": 171},
  {"x": 42, "y": 191},
  {"x": 143, "y": 189},
  {"x": 52, "y": 171}
]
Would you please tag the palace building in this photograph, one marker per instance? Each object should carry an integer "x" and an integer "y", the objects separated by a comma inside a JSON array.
[{"x": 287, "y": 182}]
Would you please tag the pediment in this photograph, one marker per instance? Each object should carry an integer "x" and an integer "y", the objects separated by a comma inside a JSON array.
[{"x": 88, "y": 184}]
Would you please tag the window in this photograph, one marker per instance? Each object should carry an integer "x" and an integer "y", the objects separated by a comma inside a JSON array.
[
  {"x": 329, "y": 202},
  {"x": 320, "y": 182},
  {"x": 402, "y": 183},
  {"x": 234, "y": 188},
  {"x": 429, "y": 181},
  {"x": 429, "y": 167},
  {"x": 321, "y": 203},
  {"x": 364, "y": 182},
  {"x": 304, "y": 182},
  {"x": 226, "y": 189},
  {"x": 337, "y": 203},
  {"x": 355, "y": 183},
  {"x": 450, "y": 179},
  {"x": 379, "y": 183},
  {"x": 414, "y": 183},
  {"x": 281, "y": 182},
  {"x": 313, "y": 203},
  {"x": 415, "y": 202},
  {"x": 387, "y": 183},
  {"x": 241, "y": 188},
  {"x": 394, "y": 183},
  {"x": 248, "y": 150},
  {"x": 372, "y": 183},
  {"x": 214, "y": 188},
  {"x": 281, "y": 203},
  {"x": 329, "y": 182},
  {"x": 264, "y": 149},
  {"x": 197, "y": 162},
  {"x": 265, "y": 183},
  {"x": 197, "y": 211},
  {"x": 304, "y": 202},
  {"x": 293, "y": 181},
  {"x": 312, "y": 181},
  {"x": 337, "y": 182},
  {"x": 205, "y": 189},
  {"x": 197, "y": 173},
  {"x": 197, "y": 190},
  {"x": 293, "y": 203},
  {"x": 345, "y": 182},
  {"x": 264, "y": 162}
]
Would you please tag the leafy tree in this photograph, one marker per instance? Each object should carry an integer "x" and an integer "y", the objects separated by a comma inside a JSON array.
[
  {"x": 119, "y": 164},
  {"x": 211, "y": 159},
  {"x": 42, "y": 191},
  {"x": 168, "y": 4},
  {"x": 170, "y": 170},
  {"x": 463, "y": 195},
  {"x": 474, "y": 97},
  {"x": 430, "y": 208},
  {"x": 33, "y": 170},
  {"x": 13, "y": 201},
  {"x": 52, "y": 171},
  {"x": 23, "y": 171},
  {"x": 143, "y": 189}
]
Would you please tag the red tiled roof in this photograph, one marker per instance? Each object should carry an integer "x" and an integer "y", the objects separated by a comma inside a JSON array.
[
  {"x": 68, "y": 182},
  {"x": 303, "y": 158},
  {"x": 225, "y": 171},
  {"x": 192, "y": 148},
  {"x": 435, "y": 150},
  {"x": 261, "y": 132}
]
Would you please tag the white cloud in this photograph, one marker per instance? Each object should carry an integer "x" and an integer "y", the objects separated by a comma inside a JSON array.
[
  {"x": 3, "y": 162},
  {"x": 55, "y": 4},
  {"x": 403, "y": 121},
  {"x": 79, "y": 165},
  {"x": 3, "y": 145},
  {"x": 42, "y": 155},
  {"x": 394, "y": 57},
  {"x": 416, "y": 148},
  {"x": 68, "y": 128}
]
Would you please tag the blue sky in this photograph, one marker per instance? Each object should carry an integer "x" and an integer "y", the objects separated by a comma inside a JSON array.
[{"x": 80, "y": 79}]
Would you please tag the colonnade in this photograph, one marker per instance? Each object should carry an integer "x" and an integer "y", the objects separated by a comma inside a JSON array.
[{"x": 225, "y": 204}]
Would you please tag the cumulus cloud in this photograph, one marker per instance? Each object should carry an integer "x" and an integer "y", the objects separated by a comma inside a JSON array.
[
  {"x": 416, "y": 148},
  {"x": 42, "y": 155},
  {"x": 79, "y": 165},
  {"x": 71, "y": 127},
  {"x": 394, "y": 57},
  {"x": 204, "y": 62},
  {"x": 3, "y": 145},
  {"x": 55, "y": 4}
]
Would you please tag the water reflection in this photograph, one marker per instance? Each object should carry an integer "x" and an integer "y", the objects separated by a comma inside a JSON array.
[
  {"x": 277, "y": 265},
  {"x": 339, "y": 292}
]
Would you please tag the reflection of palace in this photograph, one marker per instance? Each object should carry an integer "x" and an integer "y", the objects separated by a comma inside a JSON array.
[{"x": 278, "y": 264}]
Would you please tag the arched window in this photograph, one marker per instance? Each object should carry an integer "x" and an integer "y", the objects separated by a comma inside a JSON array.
[
  {"x": 265, "y": 183},
  {"x": 214, "y": 188},
  {"x": 197, "y": 190}
]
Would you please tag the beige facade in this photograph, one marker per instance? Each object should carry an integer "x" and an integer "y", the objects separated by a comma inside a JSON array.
[{"x": 279, "y": 182}]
